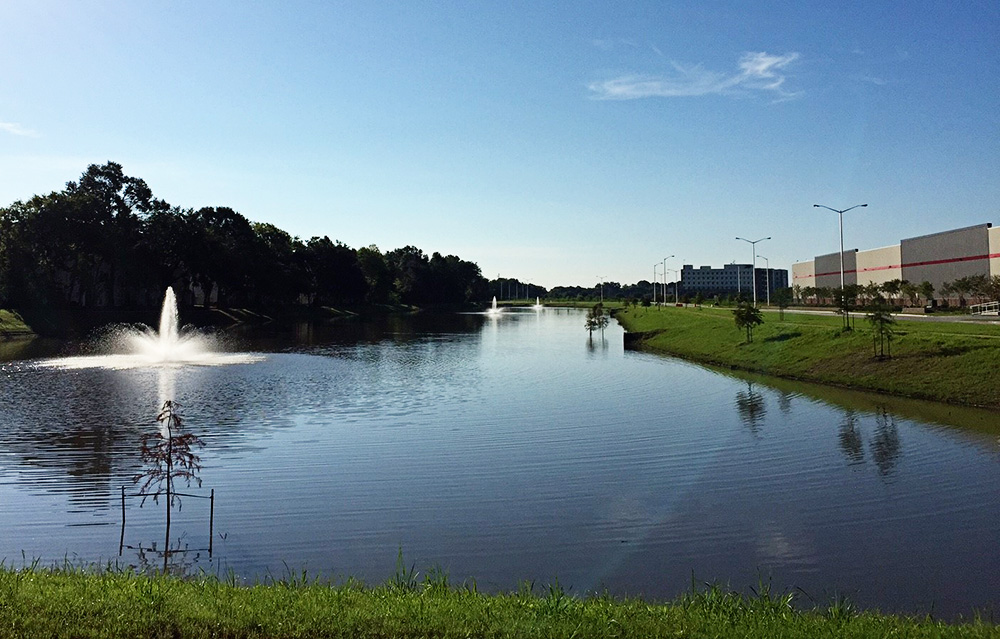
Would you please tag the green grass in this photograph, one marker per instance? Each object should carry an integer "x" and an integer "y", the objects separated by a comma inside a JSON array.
[
  {"x": 79, "y": 603},
  {"x": 11, "y": 325},
  {"x": 567, "y": 303},
  {"x": 942, "y": 361}
]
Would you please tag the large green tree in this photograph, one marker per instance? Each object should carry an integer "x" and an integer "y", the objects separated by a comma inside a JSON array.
[{"x": 105, "y": 240}]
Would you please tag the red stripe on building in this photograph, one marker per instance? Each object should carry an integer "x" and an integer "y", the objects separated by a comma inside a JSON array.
[{"x": 951, "y": 260}]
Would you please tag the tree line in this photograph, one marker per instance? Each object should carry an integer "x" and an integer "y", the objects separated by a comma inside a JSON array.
[
  {"x": 106, "y": 241},
  {"x": 902, "y": 292}
]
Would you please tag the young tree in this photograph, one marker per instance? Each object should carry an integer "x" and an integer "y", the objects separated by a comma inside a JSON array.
[
  {"x": 979, "y": 286},
  {"x": 946, "y": 290},
  {"x": 782, "y": 298},
  {"x": 747, "y": 317},
  {"x": 845, "y": 303},
  {"x": 596, "y": 319},
  {"x": 882, "y": 322},
  {"x": 892, "y": 288},
  {"x": 927, "y": 291},
  {"x": 993, "y": 288},
  {"x": 170, "y": 457}
]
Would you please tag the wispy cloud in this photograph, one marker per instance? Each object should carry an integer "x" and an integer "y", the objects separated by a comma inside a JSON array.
[
  {"x": 871, "y": 79},
  {"x": 606, "y": 44},
  {"x": 757, "y": 71},
  {"x": 16, "y": 129}
]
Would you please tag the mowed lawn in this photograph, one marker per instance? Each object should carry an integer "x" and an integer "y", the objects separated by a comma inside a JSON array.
[{"x": 955, "y": 362}]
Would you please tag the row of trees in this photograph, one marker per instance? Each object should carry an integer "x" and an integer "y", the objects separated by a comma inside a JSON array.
[
  {"x": 747, "y": 317},
  {"x": 904, "y": 293},
  {"x": 105, "y": 240}
]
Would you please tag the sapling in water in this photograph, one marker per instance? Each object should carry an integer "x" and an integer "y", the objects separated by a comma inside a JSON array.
[{"x": 168, "y": 456}]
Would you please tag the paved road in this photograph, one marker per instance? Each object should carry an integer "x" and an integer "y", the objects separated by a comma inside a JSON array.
[{"x": 969, "y": 319}]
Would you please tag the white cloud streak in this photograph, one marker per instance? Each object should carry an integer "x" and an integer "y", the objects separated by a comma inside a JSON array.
[
  {"x": 16, "y": 129},
  {"x": 757, "y": 71}
]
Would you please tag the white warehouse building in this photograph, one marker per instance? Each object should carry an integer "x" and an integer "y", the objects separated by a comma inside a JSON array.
[{"x": 936, "y": 258}]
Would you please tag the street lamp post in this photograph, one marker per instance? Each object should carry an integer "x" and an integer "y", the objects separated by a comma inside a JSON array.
[
  {"x": 767, "y": 263},
  {"x": 676, "y": 273},
  {"x": 665, "y": 277},
  {"x": 753, "y": 271},
  {"x": 601, "y": 277},
  {"x": 840, "y": 213},
  {"x": 654, "y": 282}
]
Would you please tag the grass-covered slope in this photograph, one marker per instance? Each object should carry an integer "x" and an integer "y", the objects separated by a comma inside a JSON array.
[
  {"x": 41, "y": 603},
  {"x": 11, "y": 325},
  {"x": 943, "y": 361}
]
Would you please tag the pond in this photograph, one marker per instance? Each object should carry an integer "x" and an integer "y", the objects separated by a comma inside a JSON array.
[{"x": 503, "y": 449}]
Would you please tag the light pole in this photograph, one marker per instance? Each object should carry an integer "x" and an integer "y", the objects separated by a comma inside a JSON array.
[
  {"x": 665, "y": 277},
  {"x": 753, "y": 271},
  {"x": 840, "y": 213},
  {"x": 654, "y": 282},
  {"x": 767, "y": 262},
  {"x": 601, "y": 277},
  {"x": 676, "y": 273}
]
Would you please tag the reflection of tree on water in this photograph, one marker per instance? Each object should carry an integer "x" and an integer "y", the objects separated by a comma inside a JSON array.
[
  {"x": 884, "y": 444},
  {"x": 751, "y": 407},
  {"x": 57, "y": 439},
  {"x": 850, "y": 439},
  {"x": 179, "y": 560},
  {"x": 169, "y": 456},
  {"x": 784, "y": 401},
  {"x": 597, "y": 345}
]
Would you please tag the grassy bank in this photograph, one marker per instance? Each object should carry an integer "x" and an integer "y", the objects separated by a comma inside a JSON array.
[
  {"x": 567, "y": 303},
  {"x": 12, "y": 326},
  {"x": 38, "y": 603},
  {"x": 942, "y": 361}
]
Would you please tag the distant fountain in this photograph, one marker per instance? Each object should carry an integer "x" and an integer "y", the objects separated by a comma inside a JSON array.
[
  {"x": 171, "y": 346},
  {"x": 538, "y": 303},
  {"x": 493, "y": 310}
]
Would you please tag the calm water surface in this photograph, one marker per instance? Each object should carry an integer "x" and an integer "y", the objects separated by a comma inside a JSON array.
[{"x": 508, "y": 449}]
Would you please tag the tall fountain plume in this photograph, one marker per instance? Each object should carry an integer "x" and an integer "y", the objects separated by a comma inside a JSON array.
[
  {"x": 170, "y": 345},
  {"x": 169, "y": 317},
  {"x": 141, "y": 346}
]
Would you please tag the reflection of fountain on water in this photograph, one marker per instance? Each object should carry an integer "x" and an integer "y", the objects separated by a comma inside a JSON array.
[{"x": 171, "y": 346}]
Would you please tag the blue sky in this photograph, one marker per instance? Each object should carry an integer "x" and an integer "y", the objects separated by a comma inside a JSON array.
[{"x": 550, "y": 141}]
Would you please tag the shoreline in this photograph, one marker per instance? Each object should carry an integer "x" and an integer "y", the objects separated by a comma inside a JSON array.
[
  {"x": 949, "y": 363},
  {"x": 65, "y": 602}
]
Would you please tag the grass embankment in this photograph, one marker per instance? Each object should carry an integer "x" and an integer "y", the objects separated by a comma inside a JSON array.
[
  {"x": 568, "y": 303},
  {"x": 72, "y": 603},
  {"x": 12, "y": 326},
  {"x": 943, "y": 361}
]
